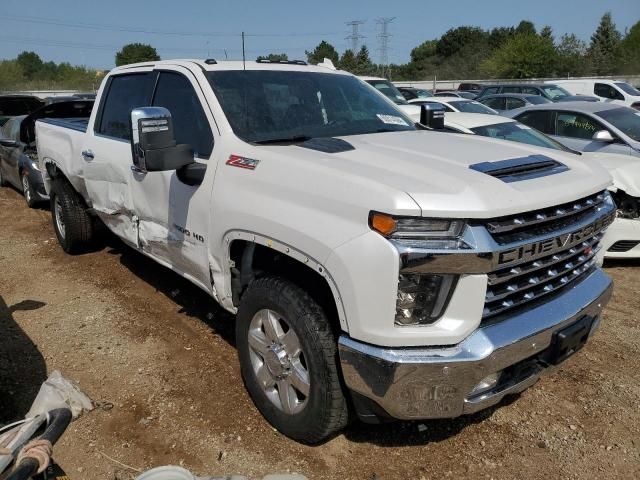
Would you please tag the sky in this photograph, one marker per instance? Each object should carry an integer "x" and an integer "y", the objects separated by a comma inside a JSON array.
[{"x": 90, "y": 32}]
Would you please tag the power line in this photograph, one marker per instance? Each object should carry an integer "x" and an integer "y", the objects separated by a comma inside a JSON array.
[
  {"x": 355, "y": 36},
  {"x": 384, "y": 37}
]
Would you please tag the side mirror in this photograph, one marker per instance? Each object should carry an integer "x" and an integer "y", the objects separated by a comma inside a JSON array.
[
  {"x": 603, "y": 136},
  {"x": 153, "y": 143},
  {"x": 432, "y": 115},
  {"x": 6, "y": 142}
]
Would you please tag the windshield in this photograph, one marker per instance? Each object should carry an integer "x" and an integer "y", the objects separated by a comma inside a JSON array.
[
  {"x": 423, "y": 93},
  {"x": 554, "y": 92},
  {"x": 517, "y": 132},
  {"x": 389, "y": 90},
  {"x": 626, "y": 88},
  {"x": 469, "y": 106},
  {"x": 624, "y": 119},
  {"x": 265, "y": 106}
]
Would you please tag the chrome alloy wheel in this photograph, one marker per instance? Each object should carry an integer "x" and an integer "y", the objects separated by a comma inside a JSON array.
[
  {"x": 26, "y": 189},
  {"x": 59, "y": 217},
  {"x": 278, "y": 361}
]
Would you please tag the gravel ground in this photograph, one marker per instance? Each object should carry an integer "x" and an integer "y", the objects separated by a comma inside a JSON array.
[{"x": 136, "y": 336}]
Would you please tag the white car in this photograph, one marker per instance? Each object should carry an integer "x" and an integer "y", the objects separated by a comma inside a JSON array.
[
  {"x": 614, "y": 91},
  {"x": 390, "y": 91},
  {"x": 456, "y": 104},
  {"x": 373, "y": 263},
  {"x": 622, "y": 239}
]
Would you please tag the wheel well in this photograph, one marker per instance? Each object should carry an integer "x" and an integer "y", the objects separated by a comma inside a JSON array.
[{"x": 252, "y": 261}]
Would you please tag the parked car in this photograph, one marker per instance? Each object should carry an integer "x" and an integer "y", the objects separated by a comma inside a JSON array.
[
  {"x": 613, "y": 91},
  {"x": 19, "y": 165},
  {"x": 502, "y": 102},
  {"x": 85, "y": 95},
  {"x": 372, "y": 263},
  {"x": 622, "y": 239},
  {"x": 411, "y": 93},
  {"x": 549, "y": 91},
  {"x": 586, "y": 126},
  {"x": 15, "y": 105},
  {"x": 389, "y": 90},
  {"x": 470, "y": 87},
  {"x": 453, "y": 93},
  {"x": 456, "y": 104}
]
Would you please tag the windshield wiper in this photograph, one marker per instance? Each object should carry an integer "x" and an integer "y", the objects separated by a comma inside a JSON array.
[{"x": 284, "y": 140}]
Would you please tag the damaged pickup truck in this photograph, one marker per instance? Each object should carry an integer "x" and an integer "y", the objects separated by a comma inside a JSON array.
[{"x": 376, "y": 266}]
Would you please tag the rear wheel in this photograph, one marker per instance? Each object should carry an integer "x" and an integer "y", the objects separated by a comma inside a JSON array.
[
  {"x": 288, "y": 359},
  {"x": 71, "y": 222},
  {"x": 27, "y": 191}
]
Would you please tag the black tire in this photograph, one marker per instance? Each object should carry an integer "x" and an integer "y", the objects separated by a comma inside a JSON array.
[
  {"x": 76, "y": 231},
  {"x": 2, "y": 180},
  {"x": 325, "y": 411},
  {"x": 27, "y": 191}
]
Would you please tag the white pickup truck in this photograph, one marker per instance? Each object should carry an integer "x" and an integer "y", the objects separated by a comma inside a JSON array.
[{"x": 376, "y": 266}]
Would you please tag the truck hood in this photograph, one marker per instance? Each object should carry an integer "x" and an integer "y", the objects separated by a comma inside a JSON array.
[
  {"x": 433, "y": 169},
  {"x": 624, "y": 169}
]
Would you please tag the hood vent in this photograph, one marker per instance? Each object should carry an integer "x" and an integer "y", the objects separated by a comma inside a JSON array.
[
  {"x": 327, "y": 145},
  {"x": 523, "y": 168}
]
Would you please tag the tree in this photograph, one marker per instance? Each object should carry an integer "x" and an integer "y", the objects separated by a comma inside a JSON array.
[
  {"x": 135, "y": 53},
  {"x": 30, "y": 63},
  {"x": 604, "y": 50},
  {"x": 524, "y": 56},
  {"x": 274, "y": 57},
  {"x": 348, "y": 61},
  {"x": 424, "y": 51},
  {"x": 630, "y": 49},
  {"x": 547, "y": 32},
  {"x": 322, "y": 51},
  {"x": 364, "y": 64},
  {"x": 571, "y": 56},
  {"x": 498, "y": 36},
  {"x": 525, "y": 27},
  {"x": 457, "y": 39}
]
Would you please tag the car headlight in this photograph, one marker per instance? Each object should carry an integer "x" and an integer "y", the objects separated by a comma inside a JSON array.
[{"x": 428, "y": 233}]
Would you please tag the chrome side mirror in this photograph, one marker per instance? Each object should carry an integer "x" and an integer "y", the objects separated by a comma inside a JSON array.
[
  {"x": 153, "y": 144},
  {"x": 603, "y": 136}
]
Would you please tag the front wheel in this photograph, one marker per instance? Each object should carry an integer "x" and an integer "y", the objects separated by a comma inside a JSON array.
[
  {"x": 288, "y": 360},
  {"x": 27, "y": 191}
]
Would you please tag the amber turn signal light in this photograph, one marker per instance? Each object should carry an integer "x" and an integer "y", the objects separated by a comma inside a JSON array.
[{"x": 383, "y": 224}]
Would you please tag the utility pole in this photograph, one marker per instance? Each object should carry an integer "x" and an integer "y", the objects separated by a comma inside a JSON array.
[
  {"x": 355, "y": 36},
  {"x": 384, "y": 37}
]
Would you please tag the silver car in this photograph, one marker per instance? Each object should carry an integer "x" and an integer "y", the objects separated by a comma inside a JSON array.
[{"x": 586, "y": 126}]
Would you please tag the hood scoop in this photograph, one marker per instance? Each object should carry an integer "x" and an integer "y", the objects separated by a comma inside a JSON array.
[
  {"x": 327, "y": 145},
  {"x": 523, "y": 168}
]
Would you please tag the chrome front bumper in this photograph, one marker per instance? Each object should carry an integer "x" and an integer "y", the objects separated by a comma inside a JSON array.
[{"x": 436, "y": 382}]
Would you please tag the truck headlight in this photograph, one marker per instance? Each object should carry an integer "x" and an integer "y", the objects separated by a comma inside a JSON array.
[
  {"x": 422, "y": 298},
  {"x": 429, "y": 233}
]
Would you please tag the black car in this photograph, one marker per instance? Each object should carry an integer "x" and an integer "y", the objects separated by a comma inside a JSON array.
[
  {"x": 14, "y": 105},
  {"x": 19, "y": 165},
  {"x": 549, "y": 91},
  {"x": 411, "y": 93}
]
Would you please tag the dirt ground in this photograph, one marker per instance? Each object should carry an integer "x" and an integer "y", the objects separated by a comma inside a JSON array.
[{"x": 137, "y": 336}]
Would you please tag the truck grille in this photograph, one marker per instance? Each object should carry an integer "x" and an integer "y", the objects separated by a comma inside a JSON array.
[{"x": 513, "y": 286}]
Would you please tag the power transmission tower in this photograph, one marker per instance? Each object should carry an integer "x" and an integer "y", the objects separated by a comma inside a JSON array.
[
  {"x": 384, "y": 37},
  {"x": 355, "y": 36}
]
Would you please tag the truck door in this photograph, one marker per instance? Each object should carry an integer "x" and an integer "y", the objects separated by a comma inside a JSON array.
[
  {"x": 174, "y": 217},
  {"x": 106, "y": 152}
]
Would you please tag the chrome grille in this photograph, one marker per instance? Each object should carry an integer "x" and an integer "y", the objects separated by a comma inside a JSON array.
[{"x": 531, "y": 224}]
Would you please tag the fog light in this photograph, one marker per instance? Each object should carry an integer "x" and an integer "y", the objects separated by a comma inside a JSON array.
[
  {"x": 422, "y": 299},
  {"x": 486, "y": 384}
]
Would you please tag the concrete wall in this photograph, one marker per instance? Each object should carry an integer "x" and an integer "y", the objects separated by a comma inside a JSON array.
[{"x": 453, "y": 84}]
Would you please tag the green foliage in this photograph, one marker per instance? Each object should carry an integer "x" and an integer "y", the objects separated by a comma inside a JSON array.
[
  {"x": 523, "y": 56},
  {"x": 135, "y": 53},
  {"x": 525, "y": 27},
  {"x": 571, "y": 56},
  {"x": 424, "y": 51},
  {"x": 274, "y": 57},
  {"x": 348, "y": 61},
  {"x": 630, "y": 50},
  {"x": 457, "y": 39},
  {"x": 322, "y": 51},
  {"x": 31, "y": 64},
  {"x": 604, "y": 51}
]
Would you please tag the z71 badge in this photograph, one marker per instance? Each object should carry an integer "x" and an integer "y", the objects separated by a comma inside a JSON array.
[{"x": 243, "y": 162}]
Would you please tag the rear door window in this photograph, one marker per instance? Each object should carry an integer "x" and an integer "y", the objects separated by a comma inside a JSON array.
[
  {"x": 191, "y": 126},
  {"x": 530, "y": 90},
  {"x": 576, "y": 125},
  {"x": 490, "y": 91},
  {"x": 125, "y": 92},
  {"x": 496, "y": 103},
  {"x": 542, "y": 120},
  {"x": 511, "y": 89},
  {"x": 513, "y": 103}
]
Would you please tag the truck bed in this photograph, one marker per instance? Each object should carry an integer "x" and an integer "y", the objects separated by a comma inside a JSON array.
[{"x": 79, "y": 124}]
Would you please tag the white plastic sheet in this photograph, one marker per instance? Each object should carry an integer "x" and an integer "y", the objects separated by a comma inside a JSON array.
[{"x": 59, "y": 392}]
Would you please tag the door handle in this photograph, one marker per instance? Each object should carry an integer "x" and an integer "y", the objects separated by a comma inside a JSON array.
[{"x": 87, "y": 155}]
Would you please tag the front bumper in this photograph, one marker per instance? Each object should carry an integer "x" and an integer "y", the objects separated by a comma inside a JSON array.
[
  {"x": 436, "y": 382},
  {"x": 622, "y": 239}
]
